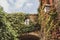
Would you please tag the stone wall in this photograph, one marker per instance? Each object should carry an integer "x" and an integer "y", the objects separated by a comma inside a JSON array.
[{"x": 33, "y": 17}]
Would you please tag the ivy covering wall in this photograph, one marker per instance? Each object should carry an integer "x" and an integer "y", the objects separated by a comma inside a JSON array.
[{"x": 48, "y": 22}]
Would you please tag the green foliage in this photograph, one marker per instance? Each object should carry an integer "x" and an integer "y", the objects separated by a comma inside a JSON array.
[
  {"x": 6, "y": 30},
  {"x": 1, "y": 8},
  {"x": 12, "y": 25},
  {"x": 17, "y": 22}
]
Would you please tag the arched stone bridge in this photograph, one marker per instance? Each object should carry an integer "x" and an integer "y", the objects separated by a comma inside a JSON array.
[{"x": 30, "y": 36}]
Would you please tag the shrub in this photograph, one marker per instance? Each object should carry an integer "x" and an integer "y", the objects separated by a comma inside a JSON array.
[{"x": 12, "y": 25}]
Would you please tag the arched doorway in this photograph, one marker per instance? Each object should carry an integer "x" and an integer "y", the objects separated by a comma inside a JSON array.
[{"x": 29, "y": 37}]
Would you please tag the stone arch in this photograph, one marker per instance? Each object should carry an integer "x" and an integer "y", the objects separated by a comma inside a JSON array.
[{"x": 29, "y": 37}]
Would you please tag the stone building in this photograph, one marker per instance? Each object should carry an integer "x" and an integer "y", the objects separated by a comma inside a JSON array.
[{"x": 45, "y": 7}]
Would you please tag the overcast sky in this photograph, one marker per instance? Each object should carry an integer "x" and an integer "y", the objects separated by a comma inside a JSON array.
[{"x": 28, "y": 6}]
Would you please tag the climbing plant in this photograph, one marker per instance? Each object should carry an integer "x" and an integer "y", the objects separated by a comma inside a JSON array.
[{"x": 46, "y": 20}]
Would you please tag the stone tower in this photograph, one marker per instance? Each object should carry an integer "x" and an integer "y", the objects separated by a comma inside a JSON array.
[
  {"x": 46, "y": 6},
  {"x": 44, "y": 9}
]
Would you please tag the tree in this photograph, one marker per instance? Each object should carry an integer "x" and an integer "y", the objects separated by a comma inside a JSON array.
[
  {"x": 1, "y": 8},
  {"x": 12, "y": 25},
  {"x": 6, "y": 30}
]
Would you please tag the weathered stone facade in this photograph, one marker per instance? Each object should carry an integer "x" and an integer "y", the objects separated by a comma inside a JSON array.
[{"x": 54, "y": 6}]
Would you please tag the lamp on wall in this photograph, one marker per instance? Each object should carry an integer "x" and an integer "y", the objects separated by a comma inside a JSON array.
[{"x": 47, "y": 8}]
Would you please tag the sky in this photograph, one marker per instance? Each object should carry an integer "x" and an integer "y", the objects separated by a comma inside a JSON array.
[{"x": 27, "y": 6}]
